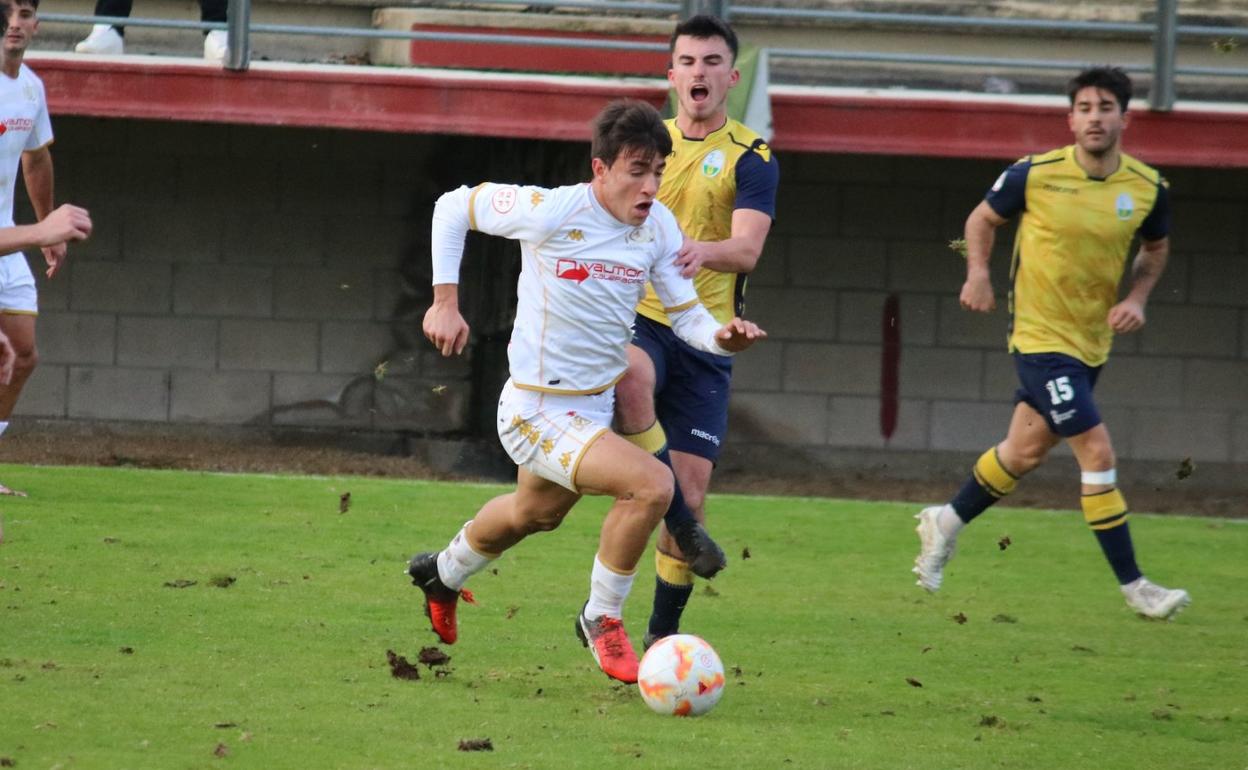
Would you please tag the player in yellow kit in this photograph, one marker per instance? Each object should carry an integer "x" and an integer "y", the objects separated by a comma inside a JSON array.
[
  {"x": 1081, "y": 207},
  {"x": 720, "y": 183}
]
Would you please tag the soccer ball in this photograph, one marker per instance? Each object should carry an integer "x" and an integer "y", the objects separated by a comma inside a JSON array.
[{"x": 681, "y": 675}]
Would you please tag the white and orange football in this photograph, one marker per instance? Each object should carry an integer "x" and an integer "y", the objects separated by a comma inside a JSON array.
[{"x": 681, "y": 675}]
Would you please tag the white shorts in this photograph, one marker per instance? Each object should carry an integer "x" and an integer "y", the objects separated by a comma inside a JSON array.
[
  {"x": 17, "y": 286},
  {"x": 548, "y": 434}
]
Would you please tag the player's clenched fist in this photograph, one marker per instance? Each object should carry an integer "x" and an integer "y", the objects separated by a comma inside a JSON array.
[
  {"x": 738, "y": 334},
  {"x": 977, "y": 295},
  {"x": 446, "y": 328},
  {"x": 66, "y": 223}
]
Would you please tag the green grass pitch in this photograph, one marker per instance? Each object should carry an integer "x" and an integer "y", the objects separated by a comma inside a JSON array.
[{"x": 1028, "y": 657}]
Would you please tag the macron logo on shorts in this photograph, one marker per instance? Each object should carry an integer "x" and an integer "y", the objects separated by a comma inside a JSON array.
[
  {"x": 699, "y": 433},
  {"x": 1061, "y": 417}
]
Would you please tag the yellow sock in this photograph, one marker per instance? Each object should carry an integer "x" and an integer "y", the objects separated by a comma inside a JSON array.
[
  {"x": 653, "y": 440},
  {"x": 671, "y": 570},
  {"x": 993, "y": 476},
  {"x": 1105, "y": 510}
]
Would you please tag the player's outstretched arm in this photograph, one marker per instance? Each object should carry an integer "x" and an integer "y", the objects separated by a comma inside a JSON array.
[
  {"x": 738, "y": 334},
  {"x": 737, "y": 254},
  {"x": 698, "y": 328},
  {"x": 1128, "y": 315},
  {"x": 66, "y": 223},
  {"x": 980, "y": 233}
]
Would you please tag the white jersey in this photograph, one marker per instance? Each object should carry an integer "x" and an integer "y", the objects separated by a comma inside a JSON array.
[
  {"x": 582, "y": 275},
  {"x": 24, "y": 125}
]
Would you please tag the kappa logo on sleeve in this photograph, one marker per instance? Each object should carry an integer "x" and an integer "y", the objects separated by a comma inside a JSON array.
[{"x": 504, "y": 199}]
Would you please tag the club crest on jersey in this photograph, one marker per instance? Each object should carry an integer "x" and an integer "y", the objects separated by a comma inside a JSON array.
[
  {"x": 713, "y": 163},
  {"x": 640, "y": 235},
  {"x": 576, "y": 235},
  {"x": 1125, "y": 206},
  {"x": 503, "y": 199}
]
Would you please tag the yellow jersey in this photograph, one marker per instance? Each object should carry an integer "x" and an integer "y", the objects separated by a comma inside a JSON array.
[
  {"x": 704, "y": 182},
  {"x": 1071, "y": 247}
]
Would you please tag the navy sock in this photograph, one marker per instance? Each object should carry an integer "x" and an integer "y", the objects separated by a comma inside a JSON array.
[
  {"x": 1119, "y": 552},
  {"x": 971, "y": 500},
  {"x": 678, "y": 513},
  {"x": 669, "y": 604}
]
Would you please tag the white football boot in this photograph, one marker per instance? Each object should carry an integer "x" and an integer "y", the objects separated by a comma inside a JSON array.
[
  {"x": 1154, "y": 601},
  {"x": 936, "y": 548},
  {"x": 103, "y": 40},
  {"x": 216, "y": 45}
]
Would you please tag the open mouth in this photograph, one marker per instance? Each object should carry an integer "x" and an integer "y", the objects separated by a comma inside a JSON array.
[
  {"x": 643, "y": 209},
  {"x": 699, "y": 93}
]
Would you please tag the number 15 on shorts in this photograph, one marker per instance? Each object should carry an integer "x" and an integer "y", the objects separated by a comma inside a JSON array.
[{"x": 1060, "y": 390}]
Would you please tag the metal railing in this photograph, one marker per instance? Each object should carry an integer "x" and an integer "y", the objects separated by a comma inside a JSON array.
[{"x": 1165, "y": 33}]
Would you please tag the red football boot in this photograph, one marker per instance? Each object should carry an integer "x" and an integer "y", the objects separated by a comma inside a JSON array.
[
  {"x": 608, "y": 641},
  {"x": 440, "y": 601}
]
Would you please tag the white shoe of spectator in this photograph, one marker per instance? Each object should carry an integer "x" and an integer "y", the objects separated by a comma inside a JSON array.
[
  {"x": 102, "y": 40},
  {"x": 216, "y": 45}
]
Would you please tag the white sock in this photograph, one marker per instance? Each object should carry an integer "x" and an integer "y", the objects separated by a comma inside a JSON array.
[
  {"x": 458, "y": 561},
  {"x": 949, "y": 521},
  {"x": 4, "y": 425},
  {"x": 607, "y": 591}
]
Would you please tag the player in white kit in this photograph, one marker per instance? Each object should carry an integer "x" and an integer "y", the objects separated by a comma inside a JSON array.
[
  {"x": 587, "y": 251},
  {"x": 24, "y": 139}
]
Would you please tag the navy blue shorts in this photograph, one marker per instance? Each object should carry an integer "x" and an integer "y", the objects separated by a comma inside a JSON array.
[
  {"x": 1060, "y": 388},
  {"x": 690, "y": 392}
]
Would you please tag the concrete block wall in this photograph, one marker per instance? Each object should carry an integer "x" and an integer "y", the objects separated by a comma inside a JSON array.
[
  {"x": 238, "y": 275},
  {"x": 262, "y": 275}
]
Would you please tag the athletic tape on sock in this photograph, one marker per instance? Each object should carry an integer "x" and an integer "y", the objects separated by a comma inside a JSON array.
[
  {"x": 652, "y": 439},
  {"x": 1099, "y": 477}
]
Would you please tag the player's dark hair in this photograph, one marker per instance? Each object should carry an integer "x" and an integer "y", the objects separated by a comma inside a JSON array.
[
  {"x": 628, "y": 123},
  {"x": 704, "y": 27},
  {"x": 4, "y": 17},
  {"x": 1111, "y": 79}
]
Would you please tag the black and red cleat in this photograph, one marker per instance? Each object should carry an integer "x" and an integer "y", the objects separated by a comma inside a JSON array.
[
  {"x": 440, "y": 601},
  {"x": 608, "y": 641}
]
